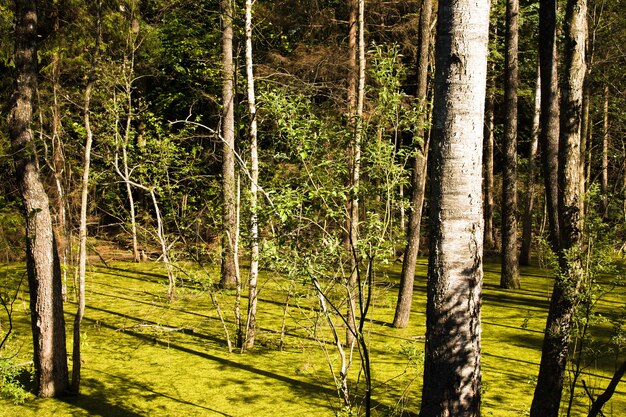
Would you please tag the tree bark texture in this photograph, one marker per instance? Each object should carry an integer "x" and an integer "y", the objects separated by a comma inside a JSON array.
[
  {"x": 44, "y": 271},
  {"x": 555, "y": 350},
  {"x": 604, "y": 170},
  {"x": 254, "y": 187},
  {"x": 452, "y": 375},
  {"x": 489, "y": 238},
  {"x": 418, "y": 178},
  {"x": 527, "y": 223},
  {"x": 229, "y": 266},
  {"x": 355, "y": 173},
  {"x": 549, "y": 117},
  {"x": 509, "y": 277}
]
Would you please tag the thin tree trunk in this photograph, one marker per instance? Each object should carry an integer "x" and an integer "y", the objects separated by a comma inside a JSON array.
[
  {"x": 171, "y": 288},
  {"x": 584, "y": 143},
  {"x": 596, "y": 406},
  {"x": 604, "y": 171},
  {"x": 228, "y": 271},
  {"x": 527, "y": 224},
  {"x": 452, "y": 375},
  {"x": 418, "y": 178},
  {"x": 489, "y": 139},
  {"x": 355, "y": 176},
  {"x": 82, "y": 230},
  {"x": 509, "y": 277},
  {"x": 44, "y": 271},
  {"x": 254, "y": 187},
  {"x": 549, "y": 117},
  {"x": 555, "y": 350}
]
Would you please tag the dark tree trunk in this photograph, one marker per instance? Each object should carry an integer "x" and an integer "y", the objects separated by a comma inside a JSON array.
[
  {"x": 527, "y": 224},
  {"x": 452, "y": 376},
  {"x": 604, "y": 170},
  {"x": 229, "y": 271},
  {"x": 509, "y": 277},
  {"x": 44, "y": 271},
  {"x": 549, "y": 118},
  {"x": 418, "y": 178},
  {"x": 488, "y": 133},
  {"x": 555, "y": 350}
]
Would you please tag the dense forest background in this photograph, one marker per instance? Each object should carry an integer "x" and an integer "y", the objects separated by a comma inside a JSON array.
[{"x": 145, "y": 79}]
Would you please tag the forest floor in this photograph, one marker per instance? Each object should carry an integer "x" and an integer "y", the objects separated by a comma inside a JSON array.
[{"x": 144, "y": 356}]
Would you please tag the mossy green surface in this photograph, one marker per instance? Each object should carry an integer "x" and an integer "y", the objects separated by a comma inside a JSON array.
[{"x": 145, "y": 357}]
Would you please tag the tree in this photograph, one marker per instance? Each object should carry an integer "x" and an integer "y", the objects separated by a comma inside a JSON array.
[
  {"x": 355, "y": 171},
  {"x": 229, "y": 266},
  {"x": 509, "y": 277},
  {"x": 44, "y": 271},
  {"x": 418, "y": 177},
  {"x": 527, "y": 223},
  {"x": 452, "y": 375},
  {"x": 254, "y": 188},
  {"x": 555, "y": 350},
  {"x": 84, "y": 194}
]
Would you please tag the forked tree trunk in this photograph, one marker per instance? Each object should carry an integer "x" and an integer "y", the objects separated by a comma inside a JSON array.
[
  {"x": 229, "y": 266},
  {"x": 555, "y": 350},
  {"x": 44, "y": 272},
  {"x": 509, "y": 277},
  {"x": 527, "y": 223},
  {"x": 254, "y": 188},
  {"x": 418, "y": 178},
  {"x": 452, "y": 375}
]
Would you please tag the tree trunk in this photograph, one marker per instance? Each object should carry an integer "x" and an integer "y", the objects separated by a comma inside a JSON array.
[
  {"x": 509, "y": 277},
  {"x": 355, "y": 175},
  {"x": 418, "y": 178},
  {"x": 596, "y": 407},
  {"x": 44, "y": 271},
  {"x": 555, "y": 350},
  {"x": 604, "y": 171},
  {"x": 452, "y": 375},
  {"x": 82, "y": 230},
  {"x": 488, "y": 132},
  {"x": 549, "y": 117},
  {"x": 254, "y": 187},
  {"x": 527, "y": 224},
  {"x": 228, "y": 272}
]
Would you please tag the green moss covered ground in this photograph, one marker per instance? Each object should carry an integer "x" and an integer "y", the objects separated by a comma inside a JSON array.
[{"x": 145, "y": 357}]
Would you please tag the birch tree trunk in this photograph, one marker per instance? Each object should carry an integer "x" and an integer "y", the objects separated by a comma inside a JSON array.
[
  {"x": 44, "y": 271},
  {"x": 509, "y": 277},
  {"x": 418, "y": 178},
  {"x": 229, "y": 266},
  {"x": 254, "y": 187},
  {"x": 452, "y": 375}
]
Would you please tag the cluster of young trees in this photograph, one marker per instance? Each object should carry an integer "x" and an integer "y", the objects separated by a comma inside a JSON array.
[{"x": 192, "y": 131}]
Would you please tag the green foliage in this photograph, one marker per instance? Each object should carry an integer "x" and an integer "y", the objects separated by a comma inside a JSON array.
[{"x": 11, "y": 373}]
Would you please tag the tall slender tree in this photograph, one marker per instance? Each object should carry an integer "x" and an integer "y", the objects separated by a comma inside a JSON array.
[
  {"x": 44, "y": 271},
  {"x": 509, "y": 277},
  {"x": 353, "y": 228},
  {"x": 84, "y": 200},
  {"x": 452, "y": 375},
  {"x": 254, "y": 188},
  {"x": 555, "y": 350},
  {"x": 229, "y": 266},
  {"x": 527, "y": 223},
  {"x": 418, "y": 176}
]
